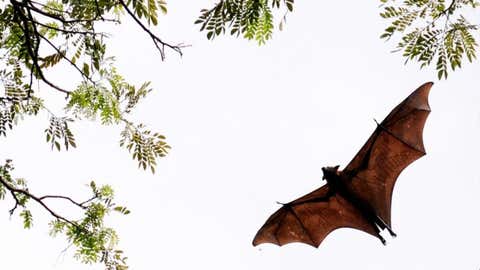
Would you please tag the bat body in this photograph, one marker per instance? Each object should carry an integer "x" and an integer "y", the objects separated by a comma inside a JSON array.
[{"x": 360, "y": 195}]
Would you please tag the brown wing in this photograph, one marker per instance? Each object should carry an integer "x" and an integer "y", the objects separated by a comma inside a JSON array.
[
  {"x": 396, "y": 142},
  {"x": 310, "y": 219}
]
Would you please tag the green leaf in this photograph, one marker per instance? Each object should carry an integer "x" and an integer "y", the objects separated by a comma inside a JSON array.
[
  {"x": 27, "y": 219},
  {"x": 57, "y": 145},
  {"x": 86, "y": 70}
]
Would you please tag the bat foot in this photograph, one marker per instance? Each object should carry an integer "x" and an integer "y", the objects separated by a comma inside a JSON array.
[
  {"x": 392, "y": 234},
  {"x": 384, "y": 242}
]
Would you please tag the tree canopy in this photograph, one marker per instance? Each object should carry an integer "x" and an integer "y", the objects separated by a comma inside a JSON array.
[{"x": 37, "y": 38}]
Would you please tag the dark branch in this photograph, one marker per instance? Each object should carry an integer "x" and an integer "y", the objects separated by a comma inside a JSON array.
[
  {"x": 32, "y": 49},
  {"x": 89, "y": 200},
  {"x": 81, "y": 205},
  {"x": 14, "y": 192},
  {"x": 48, "y": 7},
  {"x": 17, "y": 202},
  {"x": 70, "y": 31},
  {"x": 66, "y": 58},
  {"x": 35, "y": 9},
  {"x": 156, "y": 40}
]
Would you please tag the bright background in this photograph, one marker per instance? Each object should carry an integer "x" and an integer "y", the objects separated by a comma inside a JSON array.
[{"x": 250, "y": 126}]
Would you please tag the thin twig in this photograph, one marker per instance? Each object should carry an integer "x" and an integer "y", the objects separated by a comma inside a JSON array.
[
  {"x": 14, "y": 190},
  {"x": 70, "y": 31},
  {"x": 68, "y": 60},
  {"x": 89, "y": 200},
  {"x": 156, "y": 40},
  {"x": 55, "y": 17},
  {"x": 65, "y": 198}
]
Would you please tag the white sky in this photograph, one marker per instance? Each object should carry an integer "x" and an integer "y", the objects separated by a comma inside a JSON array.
[{"x": 250, "y": 126}]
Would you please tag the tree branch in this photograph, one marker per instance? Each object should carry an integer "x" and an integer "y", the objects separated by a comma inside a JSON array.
[
  {"x": 30, "y": 47},
  {"x": 35, "y": 9},
  {"x": 68, "y": 60},
  {"x": 89, "y": 200},
  {"x": 71, "y": 31},
  {"x": 156, "y": 40},
  {"x": 81, "y": 205},
  {"x": 14, "y": 192}
]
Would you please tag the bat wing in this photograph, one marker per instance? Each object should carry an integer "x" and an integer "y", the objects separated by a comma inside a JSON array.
[
  {"x": 396, "y": 142},
  {"x": 310, "y": 219}
]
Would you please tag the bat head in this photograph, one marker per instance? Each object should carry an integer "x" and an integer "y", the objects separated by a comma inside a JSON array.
[{"x": 329, "y": 172}]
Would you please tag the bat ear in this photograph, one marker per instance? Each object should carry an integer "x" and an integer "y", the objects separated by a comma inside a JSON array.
[{"x": 336, "y": 167}]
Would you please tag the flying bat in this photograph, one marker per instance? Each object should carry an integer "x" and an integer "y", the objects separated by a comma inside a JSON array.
[{"x": 360, "y": 195}]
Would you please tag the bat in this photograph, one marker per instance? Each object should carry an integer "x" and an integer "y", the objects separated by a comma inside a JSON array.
[{"x": 360, "y": 195}]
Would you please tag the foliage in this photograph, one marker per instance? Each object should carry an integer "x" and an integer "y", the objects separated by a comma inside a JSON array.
[
  {"x": 94, "y": 242},
  {"x": 433, "y": 33},
  {"x": 37, "y": 37},
  {"x": 145, "y": 145},
  {"x": 59, "y": 130},
  {"x": 253, "y": 19}
]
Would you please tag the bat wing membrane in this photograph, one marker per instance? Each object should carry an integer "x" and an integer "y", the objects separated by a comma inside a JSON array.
[
  {"x": 396, "y": 143},
  {"x": 310, "y": 219}
]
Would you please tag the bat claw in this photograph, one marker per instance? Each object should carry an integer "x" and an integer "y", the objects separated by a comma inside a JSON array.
[
  {"x": 283, "y": 204},
  {"x": 392, "y": 234},
  {"x": 384, "y": 242}
]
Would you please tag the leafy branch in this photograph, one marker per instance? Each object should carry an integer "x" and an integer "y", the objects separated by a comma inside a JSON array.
[
  {"x": 140, "y": 11},
  {"x": 432, "y": 32},
  {"x": 38, "y": 36},
  {"x": 145, "y": 145},
  {"x": 94, "y": 242},
  {"x": 252, "y": 19},
  {"x": 113, "y": 106}
]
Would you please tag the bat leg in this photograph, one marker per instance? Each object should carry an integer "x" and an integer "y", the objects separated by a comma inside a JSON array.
[
  {"x": 377, "y": 230},
  {"x": 391, "y": 232},
  {"x": 384, "y": 226},
  {"x": 384, "y": 242}
]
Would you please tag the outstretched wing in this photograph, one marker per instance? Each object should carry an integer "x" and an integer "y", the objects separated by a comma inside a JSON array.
[
  {"x": 310, "y": 219},
  {"x": 396, "y": 142}
]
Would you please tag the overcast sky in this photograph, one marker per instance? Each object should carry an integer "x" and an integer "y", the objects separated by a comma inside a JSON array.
[{"x": 250, "y": 126}]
